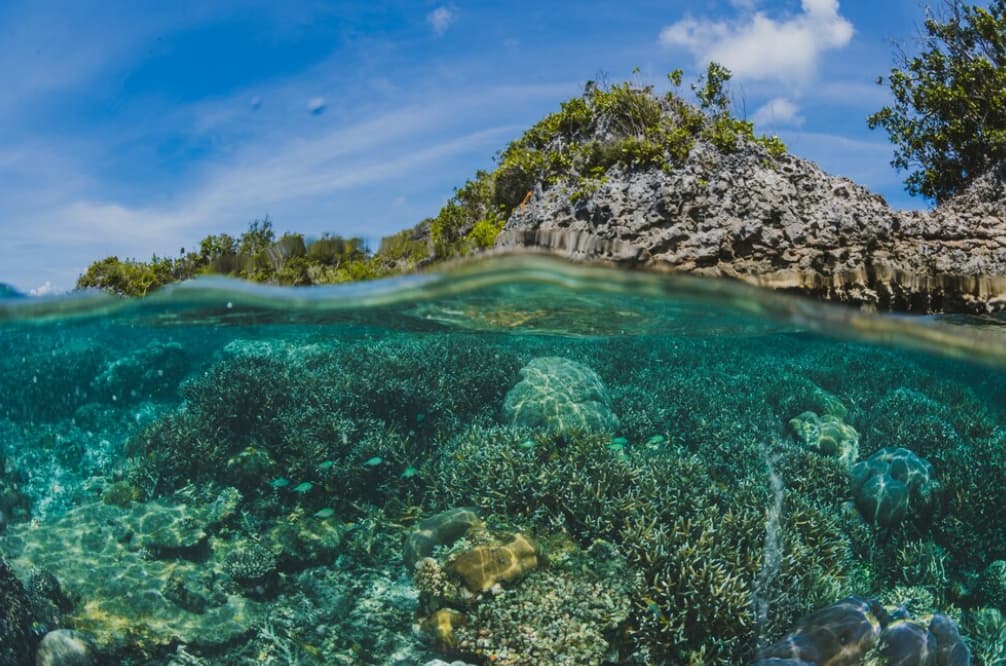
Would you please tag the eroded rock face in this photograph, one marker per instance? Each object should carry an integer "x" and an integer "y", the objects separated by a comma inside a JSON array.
[{"x": 784, "y": 224}]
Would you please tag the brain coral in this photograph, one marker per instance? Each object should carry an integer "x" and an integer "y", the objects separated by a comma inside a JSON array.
[
  {"x": 559, "y": 395},
  {"x": 892, "y": 485},
  {"x": 828, "y": 435}
]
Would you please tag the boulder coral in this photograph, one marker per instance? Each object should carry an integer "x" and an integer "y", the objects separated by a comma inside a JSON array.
[
  {"x": 485, "y": 566},
  {"x": 441, "y": 529},
  {"x": 857, "y": 631},
  {"x": 558, "y": 395},
  {"x": 894, "y": 485},
  {"x": 828, "y": 435}
]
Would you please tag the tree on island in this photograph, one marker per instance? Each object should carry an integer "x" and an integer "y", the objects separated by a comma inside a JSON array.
[{"x": 948, "y": 119}]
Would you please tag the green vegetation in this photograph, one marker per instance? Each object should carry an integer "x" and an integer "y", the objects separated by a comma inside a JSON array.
[
  {"x": 624, "y": 126},
  {"x": 256, "y": 255},
  {"x": 948, "y": 119}
]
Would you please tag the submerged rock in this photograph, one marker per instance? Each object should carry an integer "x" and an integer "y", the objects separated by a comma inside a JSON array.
[
  {"x": 559, "y": 395},
  {"x": 133, "y": 592},
  {"x": 894, "y": 485}
]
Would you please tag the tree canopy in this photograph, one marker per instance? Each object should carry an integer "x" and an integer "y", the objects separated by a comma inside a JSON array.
[{"x": 948, "y": 118}]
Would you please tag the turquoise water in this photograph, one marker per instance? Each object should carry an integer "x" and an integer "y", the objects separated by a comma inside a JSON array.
[{"x": 517, "y": 462}]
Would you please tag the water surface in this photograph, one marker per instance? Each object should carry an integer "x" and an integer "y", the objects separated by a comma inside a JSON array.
[{"x": 654, "y": 470}]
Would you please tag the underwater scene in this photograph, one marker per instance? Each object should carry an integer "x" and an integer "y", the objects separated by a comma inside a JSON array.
[{"x": 515, "y": 462}]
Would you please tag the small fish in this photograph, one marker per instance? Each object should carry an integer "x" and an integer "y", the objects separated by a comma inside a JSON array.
[
  {"x": 655, "y": 441},
  {"x": 373, "y": 462},
  {"x": 616, "y": 446},
  {"x": 620, "y": 441},
  {"x": 528, "y": 444},
  {"x": 279, "y": 482},
  {"x": 324, "y": 513},
  {"x": 410, "y": 472},
  {"x": 327, "y": 465},
  {"x": 303, "y": 487}
]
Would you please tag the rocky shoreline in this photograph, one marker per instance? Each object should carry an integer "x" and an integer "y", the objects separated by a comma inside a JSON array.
[{"x": 782, "y": 223}]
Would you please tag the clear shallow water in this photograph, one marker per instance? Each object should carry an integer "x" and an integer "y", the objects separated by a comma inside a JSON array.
[{"x": 669, "y": 471}]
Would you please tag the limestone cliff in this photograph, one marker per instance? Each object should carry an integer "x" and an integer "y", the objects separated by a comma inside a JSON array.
[{"x": 779, "y": 222}]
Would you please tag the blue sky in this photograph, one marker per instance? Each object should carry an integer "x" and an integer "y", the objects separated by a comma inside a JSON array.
[{"x": 138, "y": 128}]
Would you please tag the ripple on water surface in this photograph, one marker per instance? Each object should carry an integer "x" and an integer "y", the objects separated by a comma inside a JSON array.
[{"x": 601, "y": 467}]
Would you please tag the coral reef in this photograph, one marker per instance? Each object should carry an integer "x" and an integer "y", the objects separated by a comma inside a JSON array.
[
  {"x": 828, "y": 435},
  {"x": 992, "y": 585},
  {"x": 441, "y": 529},
  {"x": 486, "y": 566},
  {"x": 894, "y": 485},
  {"x": 17, "y": 640},
  {"x": 558, "y": 395},
  {"x": 572, "y": 612},
  {"x": 857, "y": 630},
  {"x": 64, "y": 647},
  {"x": 264, "y": 512}
]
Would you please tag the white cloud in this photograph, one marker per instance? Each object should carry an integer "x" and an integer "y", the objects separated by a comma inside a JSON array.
[
  {"x": 758, "y": 47},
  {"x": 440, "y": 19},
  {"x": 45, "y": 290},
  {"x": 778, "y": 112}
]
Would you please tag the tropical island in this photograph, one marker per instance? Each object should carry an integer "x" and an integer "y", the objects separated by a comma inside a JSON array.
[{"x": 623, "y": 175}]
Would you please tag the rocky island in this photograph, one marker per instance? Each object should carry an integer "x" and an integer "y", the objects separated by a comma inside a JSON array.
[{"x": 783, "y": 223}]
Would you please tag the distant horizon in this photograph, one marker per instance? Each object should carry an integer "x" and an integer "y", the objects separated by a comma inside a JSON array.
[{"x": 140, "y": 130}]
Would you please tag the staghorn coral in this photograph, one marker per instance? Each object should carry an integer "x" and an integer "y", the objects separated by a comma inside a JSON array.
[
  {"x": 697, "y": 543},
  {"x": 986, "y": 631},
  {"x": 992, "y": 585},
  {"x": 573, "y": 612}
]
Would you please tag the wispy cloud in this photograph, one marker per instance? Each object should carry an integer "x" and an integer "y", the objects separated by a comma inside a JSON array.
[
  {"x": 777, "y": 112},
  {"x": 758, "y": 47},
  {"x": 301, "y": 175},
  {"x": 440, "y": 19}
]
